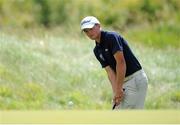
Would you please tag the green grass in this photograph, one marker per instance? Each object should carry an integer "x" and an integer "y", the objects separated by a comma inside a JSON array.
[
  {"x": 51, "y": 73},
  {"x": 44, "y": 70},
  {"x": 163, "y": 35}
]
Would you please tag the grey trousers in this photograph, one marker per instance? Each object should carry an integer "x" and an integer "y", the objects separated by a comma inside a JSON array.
[{"x": 135, "y": 88}]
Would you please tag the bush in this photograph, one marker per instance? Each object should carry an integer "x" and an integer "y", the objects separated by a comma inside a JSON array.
[
  {"x": 43, "y": 16},
  {"x": 115, "y": 13}
]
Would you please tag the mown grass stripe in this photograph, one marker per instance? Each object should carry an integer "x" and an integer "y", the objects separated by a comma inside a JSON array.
[{"x": 91, "y": 117}]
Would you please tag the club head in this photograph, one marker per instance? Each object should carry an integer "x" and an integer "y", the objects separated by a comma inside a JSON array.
[{"x": 114, "y": 106}]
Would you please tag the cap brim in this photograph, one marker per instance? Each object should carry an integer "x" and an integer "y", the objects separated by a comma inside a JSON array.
[{"x": 87, "y": 26}]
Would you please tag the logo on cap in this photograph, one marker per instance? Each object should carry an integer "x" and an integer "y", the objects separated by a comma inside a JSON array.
[{"x": 85, "y": 21}]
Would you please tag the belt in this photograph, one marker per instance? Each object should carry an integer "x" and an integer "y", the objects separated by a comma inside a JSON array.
[{"x": 133, "y": 75}]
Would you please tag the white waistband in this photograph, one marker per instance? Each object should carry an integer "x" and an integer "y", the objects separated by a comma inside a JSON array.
[{"x": 133, "y": 75}]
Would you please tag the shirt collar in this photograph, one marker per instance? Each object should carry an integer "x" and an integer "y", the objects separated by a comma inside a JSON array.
[{"x": 101, "y": 39}]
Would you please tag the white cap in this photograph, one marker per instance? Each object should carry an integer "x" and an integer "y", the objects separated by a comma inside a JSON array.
[{"x": 89, "y": 22}]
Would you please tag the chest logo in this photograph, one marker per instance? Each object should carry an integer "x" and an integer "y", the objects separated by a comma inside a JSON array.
[
  {"x": 101, "y": 56},
  {"x": 106, "y": 50}
]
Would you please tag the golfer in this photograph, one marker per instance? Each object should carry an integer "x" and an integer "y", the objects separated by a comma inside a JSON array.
[{"x": 125, "y": 73}]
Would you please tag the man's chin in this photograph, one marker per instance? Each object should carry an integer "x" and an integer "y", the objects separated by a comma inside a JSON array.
[{"x": 92, "y": 38}]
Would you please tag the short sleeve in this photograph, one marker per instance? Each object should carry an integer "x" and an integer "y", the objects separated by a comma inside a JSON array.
[
  {"x": 115, "y": 43},
  {"x": 99, "y": 56}
]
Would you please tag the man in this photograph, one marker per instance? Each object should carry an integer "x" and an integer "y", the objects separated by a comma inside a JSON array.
[{"x": 127, "y": 78}]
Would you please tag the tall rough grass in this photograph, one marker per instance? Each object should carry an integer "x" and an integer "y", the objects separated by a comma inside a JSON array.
[{"x": 52, "y": 72}]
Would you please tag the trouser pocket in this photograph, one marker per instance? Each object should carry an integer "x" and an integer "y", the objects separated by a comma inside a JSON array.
[
  {"x": 130, "y": 94},
  {"x": 142, "y": 84}
]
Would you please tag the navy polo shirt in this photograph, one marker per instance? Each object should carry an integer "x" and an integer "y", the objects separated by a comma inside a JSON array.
[{"x": 110, "y": 43}]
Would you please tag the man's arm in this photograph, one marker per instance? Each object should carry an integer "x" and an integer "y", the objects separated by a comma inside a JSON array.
[
  {"x": 112, "y": 77},
  {"x": 117, "y": 78},
  {"x": 120, "y": 75}
]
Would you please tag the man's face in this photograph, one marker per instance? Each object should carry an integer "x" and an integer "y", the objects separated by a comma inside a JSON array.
[{"x": 93, "y": 33}]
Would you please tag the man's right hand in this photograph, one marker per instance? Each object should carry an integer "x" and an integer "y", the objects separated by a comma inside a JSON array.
[{"x": 118, "y": 97}]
